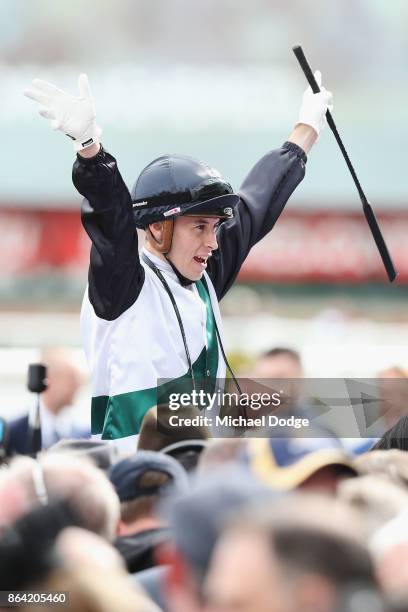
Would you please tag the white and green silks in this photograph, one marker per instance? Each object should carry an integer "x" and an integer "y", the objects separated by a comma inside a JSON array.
[{"x": 139, "y": 358}]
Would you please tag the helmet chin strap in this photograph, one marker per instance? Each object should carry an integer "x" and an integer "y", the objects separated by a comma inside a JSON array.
[
  {"x": 164, "y": 247},
  {"x": 184, "y": 281}
]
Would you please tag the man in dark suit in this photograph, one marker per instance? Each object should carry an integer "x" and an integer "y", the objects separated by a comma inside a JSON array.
[{"x": 64, "y": 381}]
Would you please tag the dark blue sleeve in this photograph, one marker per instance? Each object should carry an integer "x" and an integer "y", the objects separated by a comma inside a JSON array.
[
  {"x": 116, "y": 275},
  {"x": 263, "y": 196},
  {"x": 18, "y": 436}
]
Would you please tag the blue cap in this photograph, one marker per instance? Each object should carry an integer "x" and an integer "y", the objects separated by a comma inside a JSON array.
[
  {"x": 126, "y": 474},
  {"x": 197, "y": 517}
]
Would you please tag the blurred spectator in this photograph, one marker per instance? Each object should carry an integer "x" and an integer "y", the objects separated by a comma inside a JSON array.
[
  {"x": 52, "y": 476},
  {"x": 87, "y": 560},
  {"x": 376, "y": 497},
  {"x": 396, "y": 604},
  {"x": 281, "y": 369},
  {"x": 14, "y": 501},
  {"x": 195, "y": 519},
  {"x": 300, "y": 553},
  {"x": 46, "y": 551},
  {"x": 392, "y": 464},
  {"x": 141, "y": 481},
  {"x": 182, "y": 442},
  {"x": 156, "y": 433},
  {"x": 221, "y": 451},
  {"x": 396, "y": 437},
  {"x": 297, "y": 460},
  {"x": 102, "y": 453},
  {"x": 279, "y": 362},
  {"x": 25, "y": 545},
  {"x": 186, "y": 452},
  {"x": 390, "y": 549},
  {"x": 393, "y": 389},
  {"x": 88, "y": 590},
  {"x": 64, "y": 381},
  {"x": 4, "y": 435}
]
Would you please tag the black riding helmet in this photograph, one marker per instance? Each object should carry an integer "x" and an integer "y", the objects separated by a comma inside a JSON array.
[{"x": 174, "y": 185}]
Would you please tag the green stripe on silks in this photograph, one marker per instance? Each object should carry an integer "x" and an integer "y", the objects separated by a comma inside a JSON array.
[
  {"x": 125, "y": 412},
  {"x": 121, "y": 415},
  {"x": 99, "y": 406},
  {"x": 212, "y": 342}
]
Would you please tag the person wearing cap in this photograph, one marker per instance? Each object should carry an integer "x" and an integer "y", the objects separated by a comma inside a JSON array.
[
  {"x": 142, "y": 481},
  {"x": 309, "y": 459},
  {"x": 154, "y": 317}
]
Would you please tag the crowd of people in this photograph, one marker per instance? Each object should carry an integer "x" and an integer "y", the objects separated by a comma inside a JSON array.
[{"x": 188, "y": 522}]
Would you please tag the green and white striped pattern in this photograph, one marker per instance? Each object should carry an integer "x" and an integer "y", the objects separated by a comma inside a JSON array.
[{"x": 131, "y": 355}]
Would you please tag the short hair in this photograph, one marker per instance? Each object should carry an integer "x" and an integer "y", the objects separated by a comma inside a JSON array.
[
  {"x": 86, "y": 488},
  {"x": 282, "y": 350},
  {"x": 102, "y": 454},
  {"x": 312, "y": 533},
  {"x": 156, "y": 433},
  {"x": 340, "y": 560}
]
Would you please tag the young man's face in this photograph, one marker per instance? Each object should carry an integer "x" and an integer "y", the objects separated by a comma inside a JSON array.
[{"x": 194, "y": 240}]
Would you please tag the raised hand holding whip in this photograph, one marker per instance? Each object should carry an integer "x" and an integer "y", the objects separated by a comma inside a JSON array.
[{"x": 368, "y": 211}]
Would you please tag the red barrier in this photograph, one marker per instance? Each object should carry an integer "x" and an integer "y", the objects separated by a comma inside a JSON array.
[{"x": 303, "y": 247}]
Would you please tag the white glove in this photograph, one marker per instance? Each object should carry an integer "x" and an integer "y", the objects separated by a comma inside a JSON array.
[
  {"x": 75, "y": 116},
  {"x": 314, "y": 106}
]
